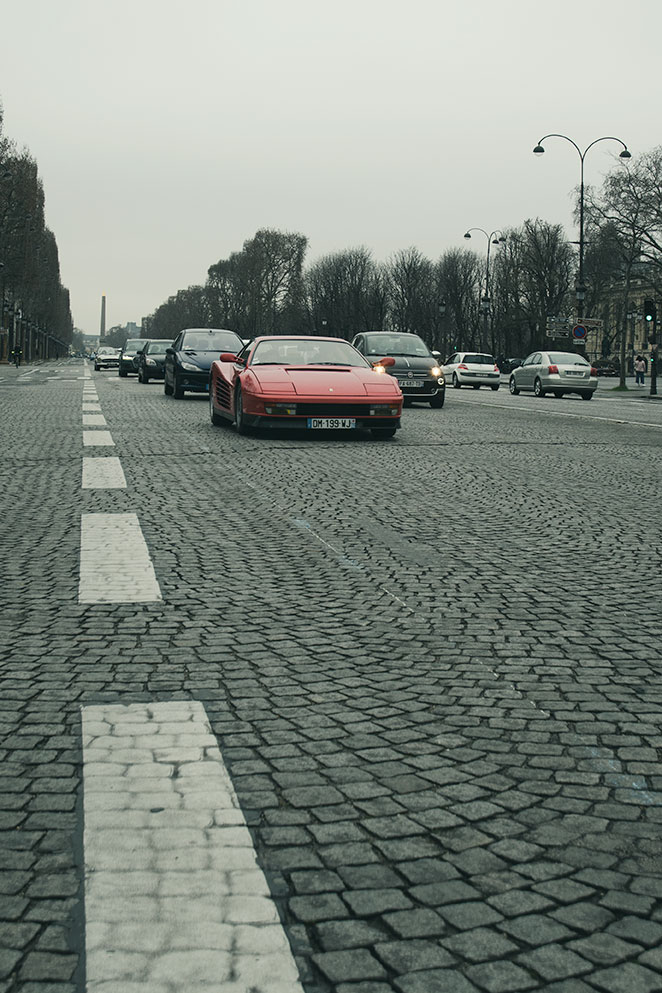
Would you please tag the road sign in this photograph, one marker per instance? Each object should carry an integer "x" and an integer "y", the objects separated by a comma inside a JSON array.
[
  {"x": 579, "y": 332},
  {"x": 590, "y": 323},
  {"x": 557, "y": 332}
]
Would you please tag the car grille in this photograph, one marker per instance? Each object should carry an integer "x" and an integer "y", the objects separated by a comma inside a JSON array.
[{"x": 338, "y": 409}]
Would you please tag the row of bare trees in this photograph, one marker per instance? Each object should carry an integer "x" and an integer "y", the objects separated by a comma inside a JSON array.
[
  {"x": 35, "y": 314},
  {"x": 265, "y": 288}
]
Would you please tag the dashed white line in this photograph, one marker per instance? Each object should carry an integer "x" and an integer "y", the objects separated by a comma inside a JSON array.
[
  {"x": 103, "y": 474},
  {"x": 115, "y": 564},
  {"x": 174, "y": 897},
  {"x": 100, "y": 438},
  {"x": 93, "y": 420}
]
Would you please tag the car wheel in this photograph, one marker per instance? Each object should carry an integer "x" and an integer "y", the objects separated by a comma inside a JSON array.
[
  {"x": 512, "y": 386},
  {"x": 122, "y": 373},
  {"x": 382, "y": 433},
  {"x": 456, "y": 382},
  {"x": 558, "y": 394},
  {"x": 495, "y": 388},
  {"x": 145, "y": 379},
  {"x": 96, "y": 368},
  {"x": 167, "y": 389},
  {"x": 438, "y": 401},
  {"x": 587, "y": 396},
  {"x": 476, "y": 386},
  {"x": 215, "y": 418},
  {"x": 239, "y": 419},
  {"x": 537, "y": 388},
  {"x": 177, "y": 390},
  {"x": 406, "y": 402}
]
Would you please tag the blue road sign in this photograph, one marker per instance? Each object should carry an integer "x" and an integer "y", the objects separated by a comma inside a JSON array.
[{"x": 579, "y": 332}]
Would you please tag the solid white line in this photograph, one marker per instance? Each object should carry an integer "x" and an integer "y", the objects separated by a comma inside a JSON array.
[
  {"x": 94, "y": 420},
  {"x": 174, "y": 898},
  {"x": 115, "y": 564},
  {"x": 103, "y": 438},
  {"x": 103, "y": 474},
  {"x": 560, "y": 413}
]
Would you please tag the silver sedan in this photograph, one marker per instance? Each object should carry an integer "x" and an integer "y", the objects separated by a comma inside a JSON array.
[{"x": 556, "y": 373}]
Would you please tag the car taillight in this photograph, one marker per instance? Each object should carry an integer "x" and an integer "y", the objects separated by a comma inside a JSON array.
[
  {"x": 496, "y": 367},
  {"x": 463, "y": 366},
  {"x": 552, "y": 368},
  {"x": 594, "y": 371}
]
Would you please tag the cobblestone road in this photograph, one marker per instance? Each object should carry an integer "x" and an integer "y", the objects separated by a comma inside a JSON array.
[{"x": 432, "y": 667}]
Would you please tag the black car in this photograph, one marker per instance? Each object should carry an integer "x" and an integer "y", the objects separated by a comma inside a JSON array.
[
  {"x": 151, "y": 359},
  {"x": 128, "y": 355},
  {"x": 189, "y": 358},
  {"x": 607, "y": 367},
  {"x": 416, "y": 368}
]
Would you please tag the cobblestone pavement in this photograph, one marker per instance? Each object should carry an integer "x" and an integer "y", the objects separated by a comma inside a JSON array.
[{"x": 432, "y": 666}]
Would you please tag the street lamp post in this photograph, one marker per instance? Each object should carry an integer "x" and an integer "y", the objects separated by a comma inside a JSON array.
[
  {"x": 625, "y": 154},
  {"x": 494, "y": 238}
]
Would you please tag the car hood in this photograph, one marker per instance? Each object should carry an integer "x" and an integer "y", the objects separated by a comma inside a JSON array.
[
  {"x": 203, "y": 360},
  {"x": 324, "y": 381}
]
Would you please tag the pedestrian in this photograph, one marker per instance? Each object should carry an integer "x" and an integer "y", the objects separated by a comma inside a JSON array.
[{"x": 639, "y": 370}]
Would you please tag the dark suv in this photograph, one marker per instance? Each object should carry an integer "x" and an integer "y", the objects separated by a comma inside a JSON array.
[
  {"x": 416, "y": 368},
  {"x": 189, "y": 359}
]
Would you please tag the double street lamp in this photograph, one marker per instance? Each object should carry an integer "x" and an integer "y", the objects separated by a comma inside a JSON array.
[
  {"x": 625, "y": 154},
  {"x": 493, "y": 238}
]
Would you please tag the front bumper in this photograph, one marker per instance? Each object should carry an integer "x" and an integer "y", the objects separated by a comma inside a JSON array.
[
  {"x": 296, "y": 423},
  {"x": 126, "y": 365},
  {"x": 107, "y": 363},
  {"x": 196, "y": 382}
]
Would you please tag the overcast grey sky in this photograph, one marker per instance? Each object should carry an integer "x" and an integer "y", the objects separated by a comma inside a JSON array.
[{"x": 167, "y": 133}]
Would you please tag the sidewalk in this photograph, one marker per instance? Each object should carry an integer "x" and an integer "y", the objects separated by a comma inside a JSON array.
[{"x": 608, "y": 386}]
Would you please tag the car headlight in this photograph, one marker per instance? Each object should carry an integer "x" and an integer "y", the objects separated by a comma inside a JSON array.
[
  {"x": 435, "y": 371},
  {"x": 189, "y": 367},
  {"x": 150, "y": 362},
  {"x": 384, "y": 410}
]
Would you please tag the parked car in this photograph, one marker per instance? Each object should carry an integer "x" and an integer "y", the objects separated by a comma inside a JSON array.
[
  {"x": 151, "y": 359},
  {"x": 555, "y": 372},
  {"x": 106, "y": 358},
  {"x": 607, "y": 367},
  {"x": 128, "y": 355},
  {"x": 305, "y": 383},
  {"x": 416, "y": 368},
  {"x": 472, "y": 369},
  {"x": 189, "y": 358}
]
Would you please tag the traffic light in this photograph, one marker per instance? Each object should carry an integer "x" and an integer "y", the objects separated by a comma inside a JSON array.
[{"x": 649, "y": 311}]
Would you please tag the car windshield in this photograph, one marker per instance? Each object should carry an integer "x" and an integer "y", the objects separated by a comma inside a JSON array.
[
  {"x": 158, "y": 347},
  {"x": 211, "y": 341},
  {"x": 134, "y": 344},
  {"x": 477, "y": 359},
  {"x": 566, "y": 358},
  {"x": 396, "y": 344},
  {"x": 307, "y": 351},
  {"x": 107, "y": 351}
]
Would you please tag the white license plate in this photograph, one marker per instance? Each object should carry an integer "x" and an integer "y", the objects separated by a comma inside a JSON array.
[
  {"x": 335, "y": 423},
  {"x": 570, "y": 373},
  {"x": 410, "y": 382}
]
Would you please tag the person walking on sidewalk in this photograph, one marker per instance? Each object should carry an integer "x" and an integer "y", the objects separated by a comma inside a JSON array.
[{"x": 639, "y": 370}]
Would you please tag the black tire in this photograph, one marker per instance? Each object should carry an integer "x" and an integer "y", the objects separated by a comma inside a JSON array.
[
  {"x": 167, "y": 389},
  {"x": 495, "y": 388},
  {"x": 382, "y": 433},
  {"x": 215, "y": 418},
  {"x": 538, "y": 388},
  {"x": 122, "y": 373},
  {"x": 96, "y": 368},
  {"x": 177, "y": 390},
  {"x": 239, "y": 421},
  {"x": 407, "y": 402},
  {"x": 558, "y": 394},
  {"x": 476, "y": 386},
  {"x": 587, "y": 396},
  {"x": 437, "y": 402},
  {"x": 512, "y": 386},
  {"x": 145, "y": 379},
  {"x": 455, "y": 382}
]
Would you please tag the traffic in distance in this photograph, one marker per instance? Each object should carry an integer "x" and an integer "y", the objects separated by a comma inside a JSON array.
[{"x": 315, "y": 383}]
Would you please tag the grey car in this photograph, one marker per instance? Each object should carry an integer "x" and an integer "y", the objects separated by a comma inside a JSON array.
[{"x": 556, "y": 373}]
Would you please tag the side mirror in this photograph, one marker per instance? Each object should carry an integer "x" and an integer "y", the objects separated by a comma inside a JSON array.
[
  {"x": 386, "y": 362},
  {"x": 436, "y": 354},
  {"x": 170, "y": 351},
  {"x": 228, "y": 357}
]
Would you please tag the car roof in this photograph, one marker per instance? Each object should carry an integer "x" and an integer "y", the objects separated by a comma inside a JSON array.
[{"x": 296, "y": 337}]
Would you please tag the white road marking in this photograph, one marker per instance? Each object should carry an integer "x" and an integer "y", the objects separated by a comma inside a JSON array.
[
  {"x": 98, "y": 438},
  {"x": 561, "y": 413},
  {"x": 90, "y": 407},
  {"x": 115, "y": 564},
  {"x": 174, "y": 898},
  {"x": 103, "y": 474},
  {"x": 94, "y": 420}
]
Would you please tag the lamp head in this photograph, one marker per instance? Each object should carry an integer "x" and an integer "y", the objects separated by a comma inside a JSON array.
[
  {"x": 625, "y": 154},
  {"x": 538, "y": 150},
  {"x": 467, "y": 234}
]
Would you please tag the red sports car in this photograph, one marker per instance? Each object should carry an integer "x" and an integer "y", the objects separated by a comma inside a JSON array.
[{"x": 305, "y": 383}]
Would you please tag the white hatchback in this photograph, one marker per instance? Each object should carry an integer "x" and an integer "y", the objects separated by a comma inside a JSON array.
[{"x": 472, "y": 369}]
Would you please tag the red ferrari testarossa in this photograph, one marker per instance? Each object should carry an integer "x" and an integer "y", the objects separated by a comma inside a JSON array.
[{"x": 314, "y": 384}]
